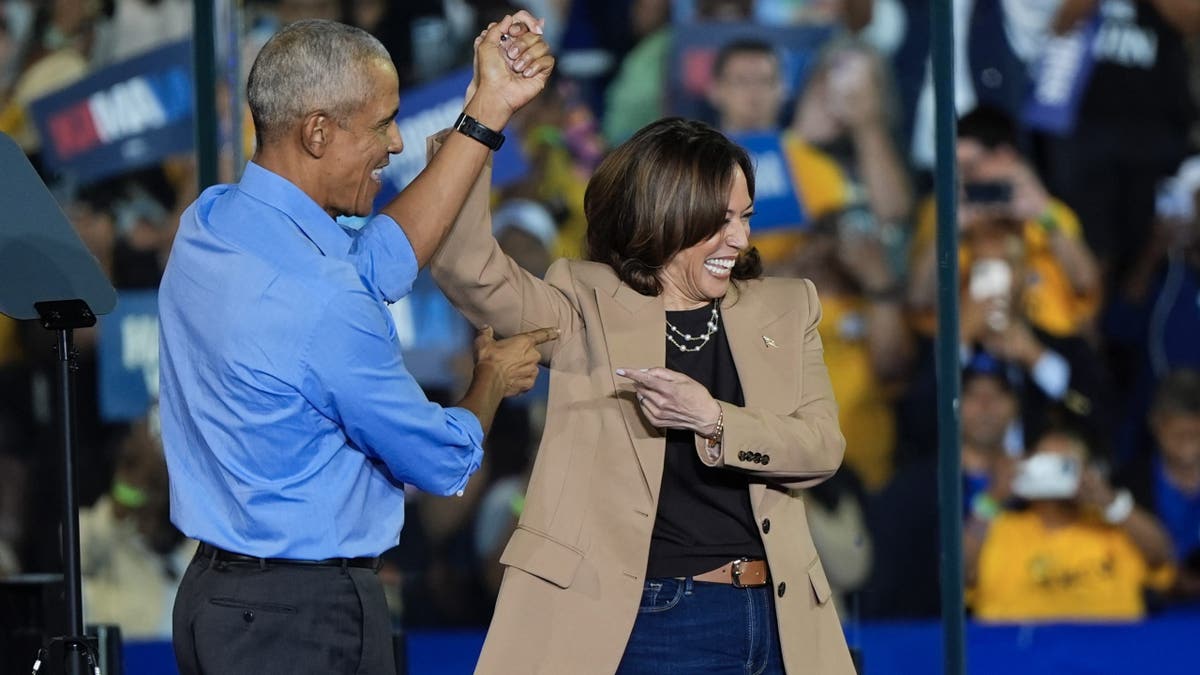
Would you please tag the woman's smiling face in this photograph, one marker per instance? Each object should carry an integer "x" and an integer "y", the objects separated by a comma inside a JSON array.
[{"x": 700, "y": 274}]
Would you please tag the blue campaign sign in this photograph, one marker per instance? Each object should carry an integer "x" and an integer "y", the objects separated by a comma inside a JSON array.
[
  {"x": 123, "y": 117},
  {"x": 1060, "y": 80},
  {"x": 776, "y": 203},
  {"x": 426, "y": 110},
  {"x": 127, "y": 356}
]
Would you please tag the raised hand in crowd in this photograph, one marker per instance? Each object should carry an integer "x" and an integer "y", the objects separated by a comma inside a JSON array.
[
  {"x": 1015, "y": 343},
  {"x": 855, "y": 88}
]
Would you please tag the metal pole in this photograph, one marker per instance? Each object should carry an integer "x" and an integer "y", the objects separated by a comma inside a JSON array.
[
  {"x": 204, "y": 58},
  {"x": 73, "y": 651},
  {"x": 233, "y": 65},
  {"x": 947, "y": 341}
]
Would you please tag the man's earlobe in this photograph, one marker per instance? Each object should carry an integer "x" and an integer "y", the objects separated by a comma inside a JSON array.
[{"x": 315, "y": 133}]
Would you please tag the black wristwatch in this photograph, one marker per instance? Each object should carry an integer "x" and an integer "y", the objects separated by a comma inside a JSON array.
[{"x": 469, "y": 126}]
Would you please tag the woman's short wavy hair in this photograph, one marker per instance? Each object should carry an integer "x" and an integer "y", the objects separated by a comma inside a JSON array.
[{"x": 662, "y": 191}]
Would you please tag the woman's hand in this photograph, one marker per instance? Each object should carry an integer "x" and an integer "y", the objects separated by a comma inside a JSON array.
[
  {"x": 672, "y": 400},
  {"x": 512, "y": 66}
]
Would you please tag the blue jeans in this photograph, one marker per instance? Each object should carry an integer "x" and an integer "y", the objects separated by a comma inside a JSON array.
[{"x": 689, "y": 627}]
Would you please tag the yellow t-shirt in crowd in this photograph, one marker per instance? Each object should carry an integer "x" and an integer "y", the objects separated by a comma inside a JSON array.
[
  {"x": 864, "y": 412},
  {"x": 1085, "y": 571},
  {"x": 10, "y": 343},
  {"x": 1049, "y": 301},
  {"x": 822, "y": 187}
]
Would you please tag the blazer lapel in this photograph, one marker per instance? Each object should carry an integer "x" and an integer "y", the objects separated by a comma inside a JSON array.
[{"x": 633, "y": 333}]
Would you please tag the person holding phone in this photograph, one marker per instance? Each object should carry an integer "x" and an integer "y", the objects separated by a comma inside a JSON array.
[
  {"x": 1078, "y": 551},
  {"x": 1062, "y": 284}
]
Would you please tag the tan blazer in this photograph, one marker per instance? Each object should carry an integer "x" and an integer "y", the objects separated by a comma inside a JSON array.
[{"x": 577, "y": 561}]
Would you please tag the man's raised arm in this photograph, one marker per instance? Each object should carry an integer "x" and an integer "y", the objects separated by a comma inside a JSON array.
[{"x": 512, "y": 64}]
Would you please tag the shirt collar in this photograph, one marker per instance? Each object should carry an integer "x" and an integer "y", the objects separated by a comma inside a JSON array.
[{"x": 275, "y": 190}]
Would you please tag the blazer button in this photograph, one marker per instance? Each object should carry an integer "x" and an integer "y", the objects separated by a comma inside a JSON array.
[
  {"x": 742, "y": 455},
  {"x": 782, "y": 588},
  {"x": 766, "y": 459},
  {"x": 766, "y": 525},
  {"x": 248, "y": 616}
]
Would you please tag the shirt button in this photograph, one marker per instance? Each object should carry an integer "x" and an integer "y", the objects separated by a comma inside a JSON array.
[
  {"x": 248, "y": 616},
  {"x": 782, "y": 588},
  {"x": 766, "y": 525}
]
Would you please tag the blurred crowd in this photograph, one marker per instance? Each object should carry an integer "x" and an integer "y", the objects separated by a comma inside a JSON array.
[{"x": 1080, "y": 285}]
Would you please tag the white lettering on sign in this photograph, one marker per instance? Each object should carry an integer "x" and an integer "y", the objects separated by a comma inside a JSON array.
[
  {"x": 139, "y": 348},
  {"x": 1060, "y": 68},
  {"x": 126, "y": 109},
  {"x": 1126, "y": 44}
]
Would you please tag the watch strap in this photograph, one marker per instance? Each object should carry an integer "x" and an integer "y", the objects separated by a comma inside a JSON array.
[{"x": 469, "y": 126}]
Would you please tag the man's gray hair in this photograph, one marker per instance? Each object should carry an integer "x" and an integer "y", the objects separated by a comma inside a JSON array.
[{"x": 307, "y": 66}]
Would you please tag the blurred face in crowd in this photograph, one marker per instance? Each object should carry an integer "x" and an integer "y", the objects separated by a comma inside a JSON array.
[
  {"x": 362, "y": 144},
  {"x": 647, "y": 16},
  {"x": 294, "y": 10},
  {"x": 96, "y": 229},
  {"x": 988, "y": 407},
  {"x": 978, "y": 164},
  {"x": 701, "y": 273},
  {"x": 525, "y": 249},
  {"x": 748, "y": 92},
  {"x": 368, "y": 13},
  {"x": 1178, "y": 436}
]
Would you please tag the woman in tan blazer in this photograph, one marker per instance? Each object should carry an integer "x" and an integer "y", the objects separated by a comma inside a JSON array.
[{"x": 688, "y": 399}]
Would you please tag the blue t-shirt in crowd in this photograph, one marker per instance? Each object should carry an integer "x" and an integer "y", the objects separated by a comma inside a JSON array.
[
  {"x": 1180, "y": 513},
  {"x": 289, "y": 421}
]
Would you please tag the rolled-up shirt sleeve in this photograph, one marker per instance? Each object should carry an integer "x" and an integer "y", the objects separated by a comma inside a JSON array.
[
  {"x": 354, "y": 374},
  {"x": 384, "y": 258}
]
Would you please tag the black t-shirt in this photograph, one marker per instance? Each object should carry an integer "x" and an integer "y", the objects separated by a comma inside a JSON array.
[
  {"x": 704, "y": 517},
  {"x": 1140, "y": 73}
]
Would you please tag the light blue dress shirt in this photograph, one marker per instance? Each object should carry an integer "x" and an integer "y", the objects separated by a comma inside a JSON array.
[{"x": 289, "y": 421}]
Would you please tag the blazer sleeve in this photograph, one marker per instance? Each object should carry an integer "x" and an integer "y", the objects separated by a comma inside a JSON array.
[
  {"x": 799, "y": 449},
  {"x": 488, "y": 287}
]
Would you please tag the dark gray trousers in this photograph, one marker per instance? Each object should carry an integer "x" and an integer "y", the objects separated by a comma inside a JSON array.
[{"x": 234, "y": 617}]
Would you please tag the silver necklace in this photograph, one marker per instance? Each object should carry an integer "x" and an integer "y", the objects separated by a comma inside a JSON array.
[{"x": 713, "y": 326}]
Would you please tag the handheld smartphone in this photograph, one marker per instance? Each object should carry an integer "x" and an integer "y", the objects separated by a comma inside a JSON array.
[{"x": 995, "y": 192}]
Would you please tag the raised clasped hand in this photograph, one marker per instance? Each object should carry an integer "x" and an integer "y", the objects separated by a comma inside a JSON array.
[
  {"x": 512, "y": 64},
  {"x": 672, "y": 400}
]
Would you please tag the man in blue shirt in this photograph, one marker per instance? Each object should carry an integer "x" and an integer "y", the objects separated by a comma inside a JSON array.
[{"x": 290, "y": 423}]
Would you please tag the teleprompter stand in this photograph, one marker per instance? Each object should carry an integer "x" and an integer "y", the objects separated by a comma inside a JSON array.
[{"x": 48, "y": 275}]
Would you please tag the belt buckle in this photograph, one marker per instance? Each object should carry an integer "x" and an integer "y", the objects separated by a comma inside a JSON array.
[{"x": 738, "y": 566}]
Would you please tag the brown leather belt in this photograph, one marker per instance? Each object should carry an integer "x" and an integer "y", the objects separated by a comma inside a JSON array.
[{"x": 739, "y": 573}]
